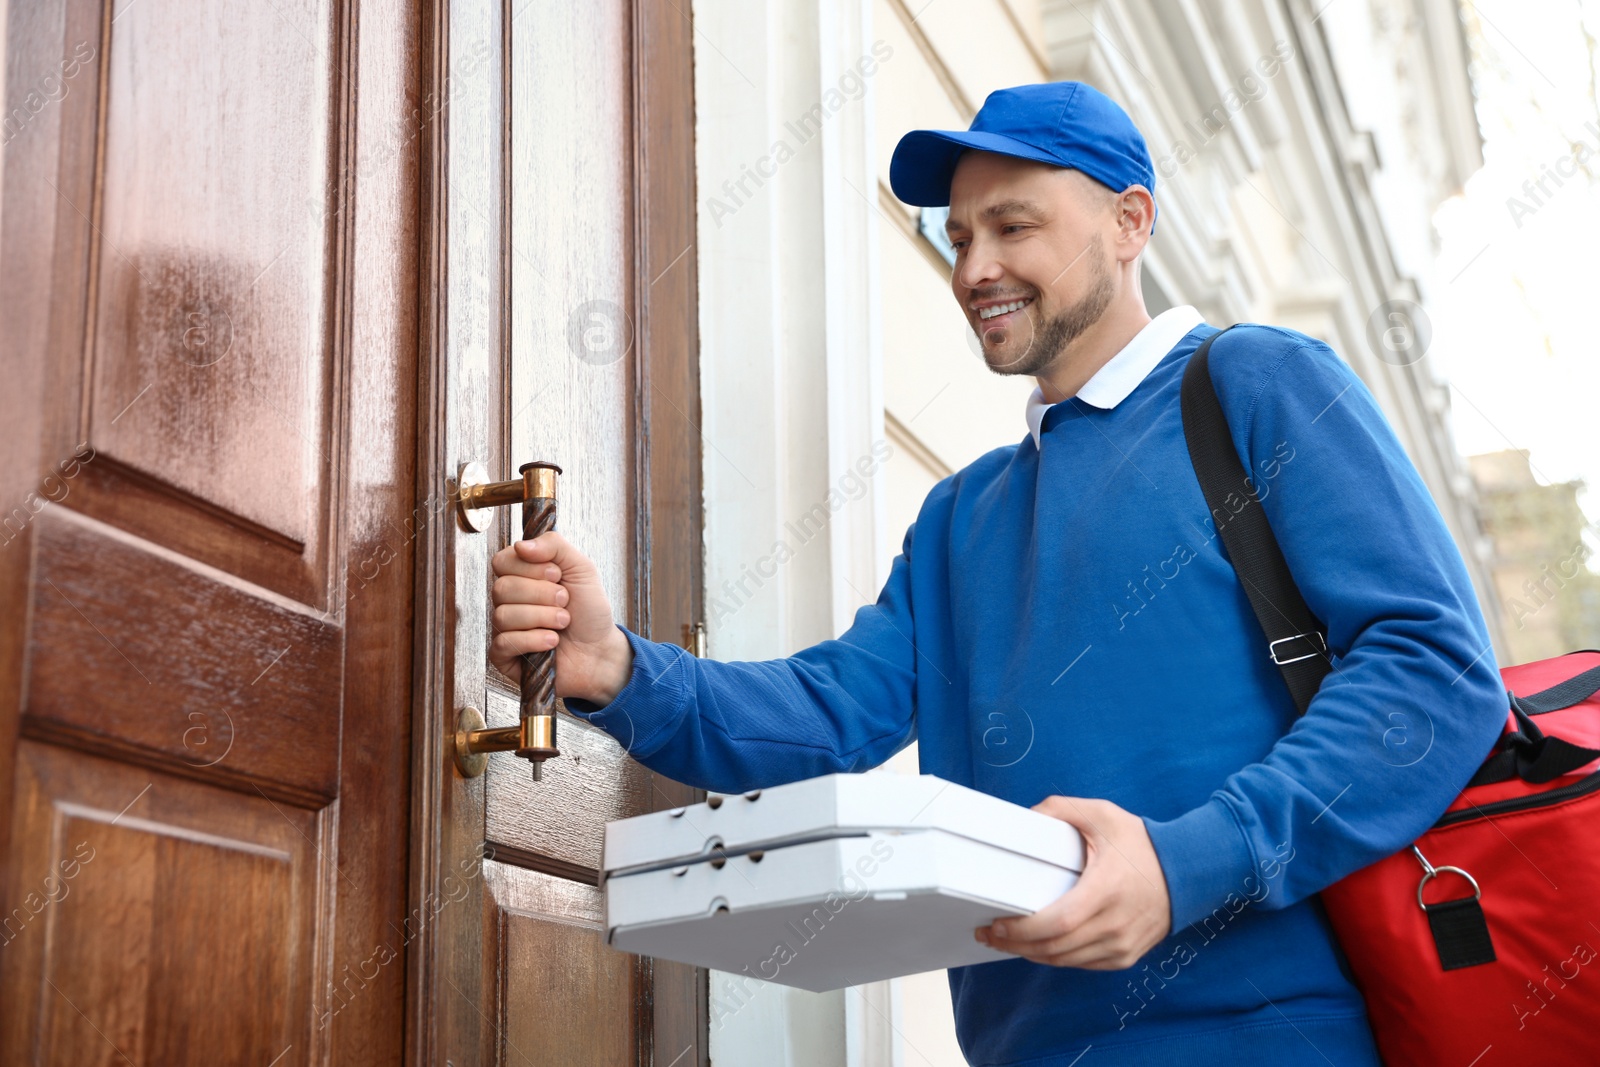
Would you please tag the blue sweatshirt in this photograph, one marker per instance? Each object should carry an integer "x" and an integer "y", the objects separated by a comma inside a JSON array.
[{"x": 1063, "y": 619}]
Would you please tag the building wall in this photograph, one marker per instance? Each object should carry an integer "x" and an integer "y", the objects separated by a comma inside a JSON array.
[{"x": 1550, "y": 598}]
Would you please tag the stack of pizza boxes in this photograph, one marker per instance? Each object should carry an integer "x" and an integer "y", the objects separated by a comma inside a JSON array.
[{"x": 834, "y": 881}]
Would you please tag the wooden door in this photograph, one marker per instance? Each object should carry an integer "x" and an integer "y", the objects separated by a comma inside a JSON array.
[
  {"x": 209, "y": 289},
  {"x": 563, "y": 188}
]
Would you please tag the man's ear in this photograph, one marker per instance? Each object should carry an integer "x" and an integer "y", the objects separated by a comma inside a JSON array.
[{"x": 1135, "y": 212}]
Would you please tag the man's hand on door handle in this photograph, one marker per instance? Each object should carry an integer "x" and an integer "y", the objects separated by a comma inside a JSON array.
[{"x": 548, "y": 595}]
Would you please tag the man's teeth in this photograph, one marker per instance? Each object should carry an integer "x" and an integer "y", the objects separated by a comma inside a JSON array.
[{"x": 1001, "y": 309}]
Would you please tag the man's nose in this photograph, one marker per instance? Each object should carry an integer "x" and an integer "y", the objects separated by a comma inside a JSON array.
[{"x": 978, "y": 267}]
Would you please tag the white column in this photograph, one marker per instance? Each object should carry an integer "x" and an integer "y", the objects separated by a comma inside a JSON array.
[{"x": 791, "y": 383}]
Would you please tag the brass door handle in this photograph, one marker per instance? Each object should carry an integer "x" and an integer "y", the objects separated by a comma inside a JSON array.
[{"x": 534, "y": 737}]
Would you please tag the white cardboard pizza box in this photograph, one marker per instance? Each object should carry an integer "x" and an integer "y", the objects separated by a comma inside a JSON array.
[
  {"x": 829, "y": 899},
  {"x": 835, "y": 805}
]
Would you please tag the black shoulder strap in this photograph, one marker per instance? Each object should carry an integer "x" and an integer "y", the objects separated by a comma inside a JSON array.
[{"x": 1296, "y": 640}]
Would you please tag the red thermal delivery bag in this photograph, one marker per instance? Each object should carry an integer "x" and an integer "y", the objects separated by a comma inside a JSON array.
[{"x": 1502, "y": 966}]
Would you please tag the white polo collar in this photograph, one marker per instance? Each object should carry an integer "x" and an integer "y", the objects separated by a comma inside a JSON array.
[{"x": 1124, "y": 371}]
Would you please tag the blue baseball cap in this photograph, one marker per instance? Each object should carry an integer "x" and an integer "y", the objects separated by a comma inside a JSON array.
[{"x": 1067, "y": 124}]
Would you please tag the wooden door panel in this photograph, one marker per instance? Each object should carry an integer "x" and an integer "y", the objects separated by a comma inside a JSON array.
[
  {"x": 571, "y": 370},
  {"x": 564, "y": 330},
  {"x": 573, "y": 366},
  {"x": 169, "y": 661},
  {"x": 566, "y": 220},
  {"x": 209, "y": 274},
  {"x": 212, "y": 279},
  {"x": 563, "y": 997},
  {"x": 127, "y": 875}
]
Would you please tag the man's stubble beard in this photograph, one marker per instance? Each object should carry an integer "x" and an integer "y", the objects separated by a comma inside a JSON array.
[{"x": 1060, "y": 331}]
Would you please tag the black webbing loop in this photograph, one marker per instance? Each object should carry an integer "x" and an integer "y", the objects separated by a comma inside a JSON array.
[{"x": 1460, "y": 933}]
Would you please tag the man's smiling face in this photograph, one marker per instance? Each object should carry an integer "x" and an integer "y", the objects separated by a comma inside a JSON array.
[{"x": 1031, "y": 271}]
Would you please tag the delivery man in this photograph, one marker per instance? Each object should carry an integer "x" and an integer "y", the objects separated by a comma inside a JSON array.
[{"x": 1074, "y": 582}]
